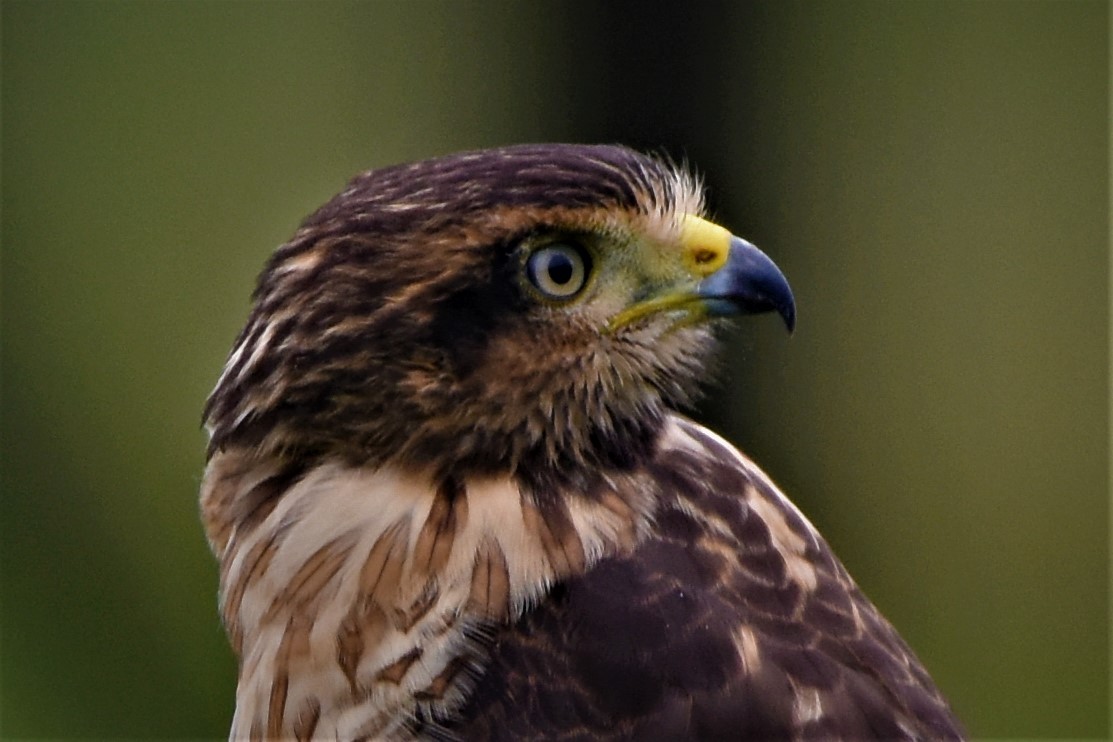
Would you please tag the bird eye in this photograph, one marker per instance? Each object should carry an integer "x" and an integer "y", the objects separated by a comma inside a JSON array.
[{"x": 559, "y": 270}]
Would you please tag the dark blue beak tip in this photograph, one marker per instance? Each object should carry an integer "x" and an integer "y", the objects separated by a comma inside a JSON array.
[
  {"x": 788, "y": 314},
  {"x": 749, "y": 283}
]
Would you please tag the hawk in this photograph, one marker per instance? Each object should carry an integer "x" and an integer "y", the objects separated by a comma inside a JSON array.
[{"x": 452, "y": 497}]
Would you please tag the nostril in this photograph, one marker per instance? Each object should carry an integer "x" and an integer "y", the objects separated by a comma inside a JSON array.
[
  {"x": 703, "y": 256},
  {"x": 705, "y": 245}
]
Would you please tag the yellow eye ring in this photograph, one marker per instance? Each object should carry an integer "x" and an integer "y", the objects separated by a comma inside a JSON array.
[{"x": 559, "y": 271}]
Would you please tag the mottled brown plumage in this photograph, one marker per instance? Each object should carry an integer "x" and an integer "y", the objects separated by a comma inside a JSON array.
[
  {"x": 451, "y": 498},
  {"x": 390, "y": 326},
  {"x": 707, "y": 632}
]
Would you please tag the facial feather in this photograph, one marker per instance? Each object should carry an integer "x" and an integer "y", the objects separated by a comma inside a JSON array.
[{"x": 394, "y": 327}]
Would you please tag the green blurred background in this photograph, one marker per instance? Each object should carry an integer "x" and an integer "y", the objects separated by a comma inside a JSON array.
[{"x": 932, "y": 176}]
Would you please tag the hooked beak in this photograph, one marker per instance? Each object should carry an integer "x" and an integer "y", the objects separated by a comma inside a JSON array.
[
  {"x": 748, "y": 283},
  {"x": 734, "y": 278}
]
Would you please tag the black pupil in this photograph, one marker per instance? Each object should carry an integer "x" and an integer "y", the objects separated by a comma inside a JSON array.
[{"x": 561, "y": 269}]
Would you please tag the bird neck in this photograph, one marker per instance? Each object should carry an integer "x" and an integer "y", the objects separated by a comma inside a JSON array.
[{"x": 372, "y": 582}]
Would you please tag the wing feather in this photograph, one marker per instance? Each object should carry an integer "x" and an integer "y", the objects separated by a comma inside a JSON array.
[{"x": 732, "y": 619}]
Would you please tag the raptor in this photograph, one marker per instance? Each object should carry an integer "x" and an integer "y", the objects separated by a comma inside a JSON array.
[{"x": 453, "y": 496}]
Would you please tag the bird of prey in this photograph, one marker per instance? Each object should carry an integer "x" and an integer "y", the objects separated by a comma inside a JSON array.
[{"x": 452, "y": 496}]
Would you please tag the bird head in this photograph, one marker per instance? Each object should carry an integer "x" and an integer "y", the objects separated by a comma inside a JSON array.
[{"x": 538, "y": 305}]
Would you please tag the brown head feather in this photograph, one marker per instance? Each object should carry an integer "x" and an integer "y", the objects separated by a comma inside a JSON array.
[{"x": 391, "y": 327}]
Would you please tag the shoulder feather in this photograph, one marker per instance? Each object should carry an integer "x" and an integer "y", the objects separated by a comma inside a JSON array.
[{"x": 731, "y": 619}]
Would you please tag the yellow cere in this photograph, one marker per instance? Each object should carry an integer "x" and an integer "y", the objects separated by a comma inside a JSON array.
[
  {"x": 705, "y": 245},
  {"x": 705, "y": 248}
]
